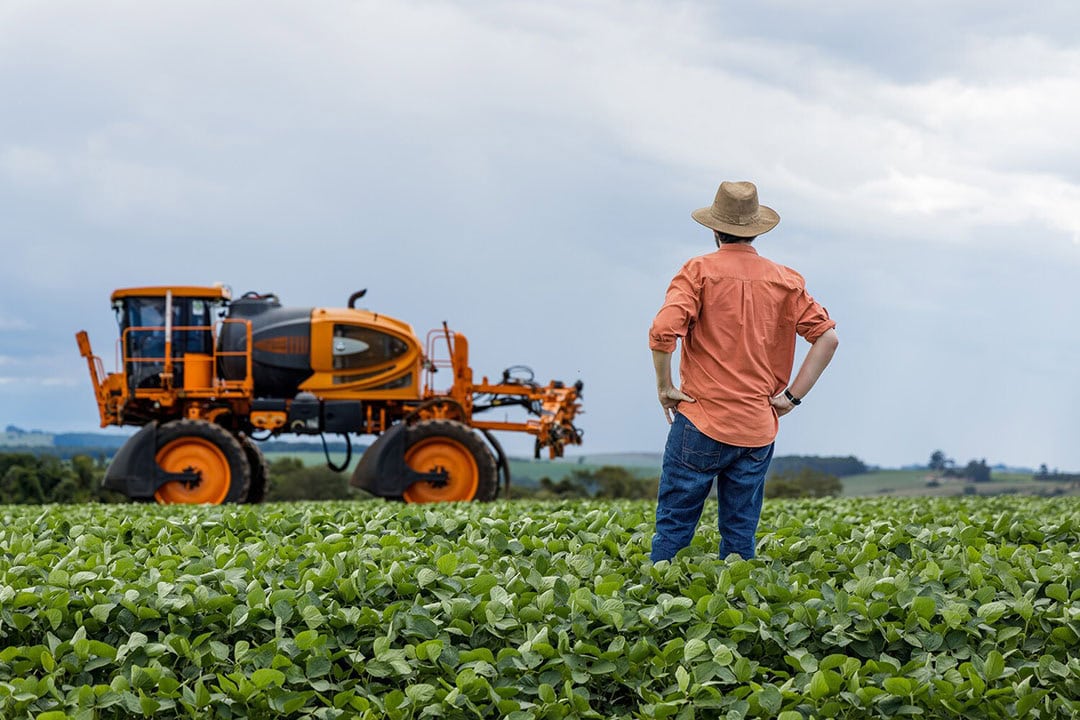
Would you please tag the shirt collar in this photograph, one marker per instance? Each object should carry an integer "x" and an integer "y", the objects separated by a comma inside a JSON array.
[{"x": 737, "y": 247}]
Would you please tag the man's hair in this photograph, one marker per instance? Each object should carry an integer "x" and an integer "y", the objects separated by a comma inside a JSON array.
[{"x": 723, "y": 238}]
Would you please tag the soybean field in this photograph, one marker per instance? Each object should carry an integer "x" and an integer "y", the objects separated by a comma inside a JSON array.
[{"x": 854, "y": 608}]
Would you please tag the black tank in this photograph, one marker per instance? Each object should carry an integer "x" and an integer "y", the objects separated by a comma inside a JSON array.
[{"x": 281, "y": 345}]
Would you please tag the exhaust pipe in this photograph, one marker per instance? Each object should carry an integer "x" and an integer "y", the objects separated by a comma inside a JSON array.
[{"x": 356, "y": 296}]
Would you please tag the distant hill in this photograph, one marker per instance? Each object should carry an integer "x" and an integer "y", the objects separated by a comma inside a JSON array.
[
  {"x": 628, "y": 459},
  {"x": 17, "y": 437},
  {"x": 95, "y": 440}
]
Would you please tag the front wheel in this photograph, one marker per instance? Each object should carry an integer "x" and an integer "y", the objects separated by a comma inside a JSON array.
[
  {"x": 453, "y": 448},
  {"x": 205, "y": 448}
]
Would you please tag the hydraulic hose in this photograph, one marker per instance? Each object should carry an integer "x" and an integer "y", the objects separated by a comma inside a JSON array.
[{"x": 326, "y": 451}]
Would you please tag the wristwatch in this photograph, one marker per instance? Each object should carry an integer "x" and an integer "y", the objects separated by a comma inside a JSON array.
[{"x": 791, "y": 398}]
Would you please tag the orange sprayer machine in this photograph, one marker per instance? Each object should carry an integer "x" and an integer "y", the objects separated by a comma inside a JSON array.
[{"x": 206, "y": 377}]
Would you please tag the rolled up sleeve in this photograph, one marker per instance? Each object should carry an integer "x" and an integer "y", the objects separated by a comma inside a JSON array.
[
  {"x": 813, "y": 320},
  {"x": 681, "y": 306}
]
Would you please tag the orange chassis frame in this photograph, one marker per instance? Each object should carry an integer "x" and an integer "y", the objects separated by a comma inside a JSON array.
[{"x": 555, "y": 404}]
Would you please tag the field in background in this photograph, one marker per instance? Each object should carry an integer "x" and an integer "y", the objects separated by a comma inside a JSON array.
[{"x": 915, "y": 482}]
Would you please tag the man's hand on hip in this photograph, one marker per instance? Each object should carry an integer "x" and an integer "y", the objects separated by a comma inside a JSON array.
[
  {"x": 781, "y": 404},
  {"x": 670, "y": 398}
]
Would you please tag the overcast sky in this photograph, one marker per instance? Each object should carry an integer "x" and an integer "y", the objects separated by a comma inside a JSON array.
[{"x": 526, "y": 171}]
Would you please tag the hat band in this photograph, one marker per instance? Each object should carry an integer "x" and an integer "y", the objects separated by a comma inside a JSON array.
[{"x": 737, "y": 219}]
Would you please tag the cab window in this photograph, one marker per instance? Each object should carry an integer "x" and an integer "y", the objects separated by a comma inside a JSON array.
[{"x": 360, "y": 347}]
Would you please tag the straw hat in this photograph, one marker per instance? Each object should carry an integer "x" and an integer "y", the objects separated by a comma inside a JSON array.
[{"x": 736, "y": 211}]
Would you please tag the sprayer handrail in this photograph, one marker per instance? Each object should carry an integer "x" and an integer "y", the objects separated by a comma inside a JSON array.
[{"x": 215, "y": 330}]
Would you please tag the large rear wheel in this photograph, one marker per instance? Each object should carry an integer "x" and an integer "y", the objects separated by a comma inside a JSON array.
[
  {"x": 205, "y": 448},
  {"x": 449, "y": 446}
]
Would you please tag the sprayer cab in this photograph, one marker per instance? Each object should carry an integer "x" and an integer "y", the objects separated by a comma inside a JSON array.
[{"x": 167, "y": 334}]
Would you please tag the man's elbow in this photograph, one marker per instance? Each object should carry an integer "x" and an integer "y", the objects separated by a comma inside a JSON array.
[{"x": 829, "y": 340}]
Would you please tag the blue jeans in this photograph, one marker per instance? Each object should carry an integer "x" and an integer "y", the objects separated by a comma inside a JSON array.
[{"x": 692, "y": 461}]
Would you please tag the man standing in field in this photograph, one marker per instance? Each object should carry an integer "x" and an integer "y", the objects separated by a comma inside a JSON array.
[{"x": 737, "y": 314}]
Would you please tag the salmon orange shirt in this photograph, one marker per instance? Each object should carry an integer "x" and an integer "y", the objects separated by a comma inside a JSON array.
[{"x": 738, "y": 314}]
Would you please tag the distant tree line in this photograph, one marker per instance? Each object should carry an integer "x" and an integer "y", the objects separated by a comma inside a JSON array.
[
  {"x": 975, "y": 470},
  {"x": 1045, "y": 474},
  {"x": 613, "y": 482},
  {"x": 290, "y": 480},
  {"x": 101, "y": 454},
  {"x": 32, "y": 478},
  {"x": 606, "y": 482},
  {"x": 801, "y": 483},
  {"x": 838, "y": 466},
  {"x": 27, "y": 478}
]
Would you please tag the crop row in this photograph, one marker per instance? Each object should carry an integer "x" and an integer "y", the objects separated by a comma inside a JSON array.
[{"x": 854, "y": 608}]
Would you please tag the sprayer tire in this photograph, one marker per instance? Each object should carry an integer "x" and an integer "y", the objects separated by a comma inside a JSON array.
[
  {"x": 209, "y": 449},
  {"x": 445, "y": 444}
]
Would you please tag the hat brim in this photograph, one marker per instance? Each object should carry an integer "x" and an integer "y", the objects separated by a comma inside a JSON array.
[{"x": 766, "y": 220}]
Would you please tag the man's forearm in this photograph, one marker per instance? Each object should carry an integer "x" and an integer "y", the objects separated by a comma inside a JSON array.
[
  {"x": 662, "y": 364},
  {"x": 669, "y": 395},
  {"x": 815, "y": 362}
]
